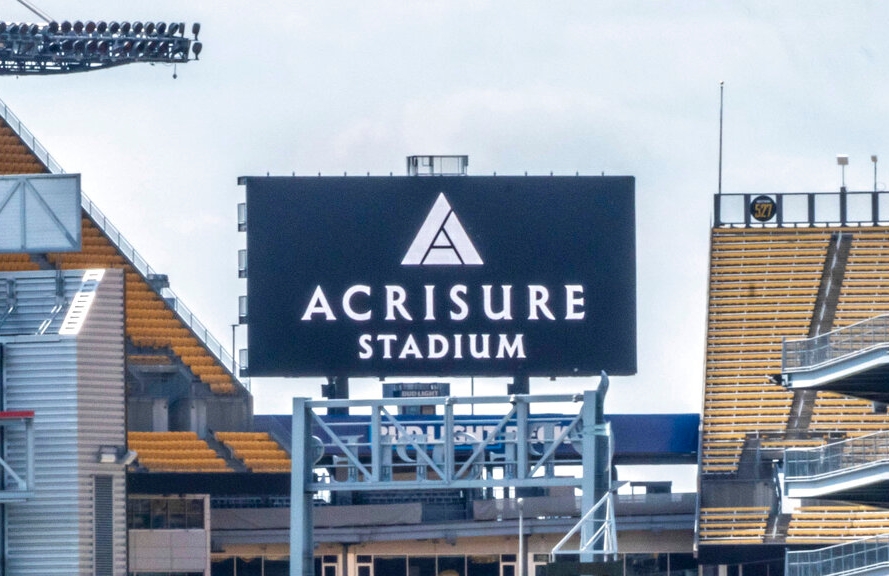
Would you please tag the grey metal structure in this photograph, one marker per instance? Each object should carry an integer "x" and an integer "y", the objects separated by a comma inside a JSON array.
[
  {"x": 808, "y": 354},
  {"x": 62, "y": 342},
  {"x": 119, "y": 240},
  {"x": 443, "y": 451},
  {"x": 437, "y": 165},
  {"x": 40, "y": 213},
  {"x": 851, "y": 469},
  {"x": 851, "y": 360}
]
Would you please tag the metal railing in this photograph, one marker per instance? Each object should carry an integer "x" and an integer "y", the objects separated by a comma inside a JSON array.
[
  {"x": 862, "y": 555},
  {"x": 837, "y": 457},
  {"x": 127, "y": 249},
  {"x": 801, "y": 209},
  {"x": 29, "y": 140},
  {"x": 410, "y": 451},
  {"x": 846, "y": 342}
]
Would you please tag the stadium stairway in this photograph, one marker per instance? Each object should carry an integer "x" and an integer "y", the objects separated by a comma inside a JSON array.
[
  {"x": 831, "y": 283},
  {"x": 801, "y": 413},
  {"x": 230, "y": 459},
  {"x": 256, "y": 451}
]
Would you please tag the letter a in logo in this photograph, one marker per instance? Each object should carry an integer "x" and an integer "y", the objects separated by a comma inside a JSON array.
[{"x": 441, "y": 240}]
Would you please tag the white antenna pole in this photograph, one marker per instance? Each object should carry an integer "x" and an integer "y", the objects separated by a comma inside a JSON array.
[
  {"x": 719, "y": 189},
  {"x": 46, "y": 17}
]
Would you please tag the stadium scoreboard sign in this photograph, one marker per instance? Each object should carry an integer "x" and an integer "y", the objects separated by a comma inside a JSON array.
[{"x": 428, "y": 276}]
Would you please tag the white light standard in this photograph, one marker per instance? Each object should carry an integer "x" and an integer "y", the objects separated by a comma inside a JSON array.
[
  {"x": 521, "y": 564},
  {"x": 843, "y": 161}
]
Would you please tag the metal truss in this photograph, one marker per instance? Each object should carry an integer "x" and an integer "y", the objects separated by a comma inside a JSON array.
[
  {"x": 393, "y": 451},
  {"x": 598, "y": 533},
  {"x": 456, "y": 443}
]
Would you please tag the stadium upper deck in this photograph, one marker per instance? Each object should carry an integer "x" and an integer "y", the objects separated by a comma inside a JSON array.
[
  {"x": 794, "y": 277},
  {"x": 170, "y": 356}
]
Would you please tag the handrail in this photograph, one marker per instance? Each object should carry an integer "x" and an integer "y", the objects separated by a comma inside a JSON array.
[
  {"x": 840, "y": 559},
  {"x": 30, "y": 141},
  {"x": 121, "y": 243},
  {"x": 836, "y": 457},
  {"x": 799, "y": 209},
  {"x": 809, "y": 353}
]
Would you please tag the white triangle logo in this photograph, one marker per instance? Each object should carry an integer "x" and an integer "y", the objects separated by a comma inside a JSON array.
[{"x": 442, "y": 240}]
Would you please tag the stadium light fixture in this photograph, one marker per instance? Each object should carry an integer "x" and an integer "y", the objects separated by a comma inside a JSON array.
[
  {"x": 843, "y": 161},
  {"x": 66, "y": 47},
  {"x": 873, "y": 159}
]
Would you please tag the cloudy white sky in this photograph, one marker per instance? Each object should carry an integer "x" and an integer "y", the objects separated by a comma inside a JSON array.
[{"x": 623, "y": 87}]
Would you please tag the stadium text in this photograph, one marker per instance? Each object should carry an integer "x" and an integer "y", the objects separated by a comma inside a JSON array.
[
  {"x": 397, "y": 306},
  {"x": 497, "y": 305}
]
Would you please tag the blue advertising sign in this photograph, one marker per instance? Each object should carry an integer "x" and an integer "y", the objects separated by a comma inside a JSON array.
[
  {"x": 638, "y": 438},
  {"x": 426, "y": 276}
]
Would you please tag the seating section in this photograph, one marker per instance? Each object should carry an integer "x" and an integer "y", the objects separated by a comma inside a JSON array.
[
  {"x": 256, "y": 450},
  {"x": 149, "y": 320},
  {"x": 787, "y": 443},
  {"x": 835, "y": 413},
  {"x": 741, "y": 525},
  {"x": 16, "y": 262},
  {"x": 175, "y": 452},
  {"x": 763, "y": 287},
  {"x": 829, "y": 524},
  {"x": 149, "y": 360},
  {"x": 864, "y": 294},
  {"x": 15, "y": 157},
  {"x": 865, "y": 290}
]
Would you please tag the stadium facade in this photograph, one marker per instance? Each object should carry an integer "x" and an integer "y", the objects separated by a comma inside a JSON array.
[
  {"x": 794, "y": 416},
  {"x": 130, "y": 446},
  {"x": 169, "y": 472}
]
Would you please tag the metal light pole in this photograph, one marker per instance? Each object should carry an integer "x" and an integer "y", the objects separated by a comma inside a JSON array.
[
  {"x": 234, "y": 352},
  {"x": 843, "y": 161},
  {"x": 521, "y": 563}
]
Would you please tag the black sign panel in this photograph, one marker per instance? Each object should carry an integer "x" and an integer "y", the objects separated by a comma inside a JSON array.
[
  {"x": 763, "y": 208},
  {"x": 422, "y": 276}
]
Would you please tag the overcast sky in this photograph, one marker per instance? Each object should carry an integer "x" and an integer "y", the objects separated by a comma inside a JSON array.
[{"x": 624, "y": 88}]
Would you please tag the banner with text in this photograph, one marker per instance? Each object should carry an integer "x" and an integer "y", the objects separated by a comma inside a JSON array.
[{"x": 423, "y": 276}]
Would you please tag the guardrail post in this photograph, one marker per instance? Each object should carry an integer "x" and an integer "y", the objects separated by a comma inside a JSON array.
[
  {"x": 810, "y": 202},
  {"x": 843, "y": 205}
]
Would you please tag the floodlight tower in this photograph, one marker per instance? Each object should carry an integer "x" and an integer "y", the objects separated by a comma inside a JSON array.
[{"x": 52, "y": 47}]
